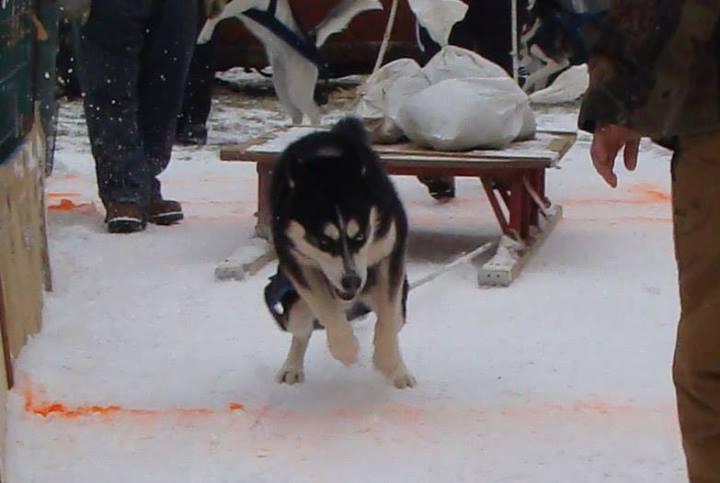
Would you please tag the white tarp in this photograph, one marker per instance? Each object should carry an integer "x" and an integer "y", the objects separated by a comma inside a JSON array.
[{"x": 458, "y": 101}]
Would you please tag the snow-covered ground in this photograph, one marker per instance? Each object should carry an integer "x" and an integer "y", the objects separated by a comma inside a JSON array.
[{"x": 148, "y": 370}]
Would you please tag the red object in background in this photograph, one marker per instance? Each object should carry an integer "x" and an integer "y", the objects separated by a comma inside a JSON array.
[{"x": 353, "y": 50}]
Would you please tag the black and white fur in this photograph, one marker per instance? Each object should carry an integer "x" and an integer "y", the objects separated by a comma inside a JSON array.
[
  {"x": 294, "y": 76},
  {"x": 340, "y": 233}
]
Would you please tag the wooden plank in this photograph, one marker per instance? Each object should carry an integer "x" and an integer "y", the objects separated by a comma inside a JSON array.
[
  {"x": 532, "y": 148},
  {"x": 22, "y": 243},
  {"x": 234, "y": 268},
  {"x": 5, "y": 345},
  {"x": 230, "y": 153},
  {"x": 276, "y": 142},
  {"x": 5, "y": 384},
  {"x": 547, "y": 149},
  {"x": 22, "y": 254},
  {"x": 563, "y": 144},
  {"x": 247, "y": 260},
  {"x": 477, "y": 163},
  {"x": 406, "y": 163},
  {"x": 493, "y": 274},
  {"x": 544, "y": 151}
]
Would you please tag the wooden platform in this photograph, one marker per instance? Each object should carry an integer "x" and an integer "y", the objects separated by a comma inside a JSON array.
[
  {"x": 513, "y": 178},
  {"x": 545, "y": 151}
]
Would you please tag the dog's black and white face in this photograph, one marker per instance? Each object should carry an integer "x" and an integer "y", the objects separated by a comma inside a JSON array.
[
  {"x": 339, "y": 245},
  {"x": 331, "y": 186}
]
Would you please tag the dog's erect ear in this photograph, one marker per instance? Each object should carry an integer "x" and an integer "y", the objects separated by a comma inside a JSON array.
[{"x": 351, "y": 128}]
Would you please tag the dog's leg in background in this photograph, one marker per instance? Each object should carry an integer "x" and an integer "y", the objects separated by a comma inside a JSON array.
[
  {"x": 282, "y": 84},
  {"x": 295, "y": 78},
  {"x": 207, "y": 31},
  {"x": 300, "y": 325},
  {"x": 387, "y": 302},
  {"x": 302, "y": 87}
]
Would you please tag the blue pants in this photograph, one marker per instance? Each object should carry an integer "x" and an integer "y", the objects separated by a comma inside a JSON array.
[
  {"x": 198, "y": 91},
  {"x": 134, "y": 61}
]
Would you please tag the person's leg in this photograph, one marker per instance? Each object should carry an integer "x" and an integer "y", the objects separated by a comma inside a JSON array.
[
  {"x": 67, "y": 71},
  {"x": 111, "y": 45},
  {"x": 696, "y": 371},
  {"x": 192, "y": 122},
  {"x": 169, "y": 44},
  {"x": 442, "y": 188}
]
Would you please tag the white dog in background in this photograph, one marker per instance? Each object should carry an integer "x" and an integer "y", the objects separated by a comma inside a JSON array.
[{"x": 294, "y": 75}]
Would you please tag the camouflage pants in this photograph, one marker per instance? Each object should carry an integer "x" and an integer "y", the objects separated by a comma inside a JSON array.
[{"x": 696, "y": 371}]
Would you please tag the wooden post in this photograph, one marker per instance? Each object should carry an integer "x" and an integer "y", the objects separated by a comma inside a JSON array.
[
  {"x": 5, "y": 339},
  {"x": 518, "y": 210},
  {"x": 262, "y": 228},
  {"x": 515, "y": 46}
]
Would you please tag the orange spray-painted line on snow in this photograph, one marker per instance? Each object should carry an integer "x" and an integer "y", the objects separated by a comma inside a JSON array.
[
  {"x": 66, "y": 204},
  {"x": 398, "y": 412},
  {"x": 233, "y": 406},
  {"x": 46, "y": 410},
  {"x": 57, "y": 409},
  {"x": 643, "y": 194}
]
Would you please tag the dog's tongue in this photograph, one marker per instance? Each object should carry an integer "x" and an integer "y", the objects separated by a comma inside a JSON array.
[{"x": 344, "y": 295}]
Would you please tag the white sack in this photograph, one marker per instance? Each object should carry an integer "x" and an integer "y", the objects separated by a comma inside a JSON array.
[
  {"x": 461, "y": 114},
  {"x": 457, "y": 63},
  {"x": 385, "y": 92}
]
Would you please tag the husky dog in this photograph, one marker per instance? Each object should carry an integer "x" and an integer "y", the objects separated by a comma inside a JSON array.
[
  {"x": 340, "y": 232},
  {"x": 558, "y": 34},
  {"x": 291, "y": 52}
]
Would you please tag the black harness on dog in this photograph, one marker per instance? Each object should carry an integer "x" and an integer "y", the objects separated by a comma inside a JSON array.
[
  {"x": 302, "y": 43},
  {"x": 281, "y": 295}
]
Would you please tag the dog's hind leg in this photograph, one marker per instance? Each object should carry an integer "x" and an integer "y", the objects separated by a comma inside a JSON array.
[
  {"x": 387, "y": 301},
  {"x": 300, "y": 325},
  {"x": 283, "y": 82},
  {"x": 295, "y": 79},
  {"x": 302, "y": 90}
]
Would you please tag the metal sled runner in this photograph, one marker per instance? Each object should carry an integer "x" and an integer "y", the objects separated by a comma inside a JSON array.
[{"x": 513, "y": 179}]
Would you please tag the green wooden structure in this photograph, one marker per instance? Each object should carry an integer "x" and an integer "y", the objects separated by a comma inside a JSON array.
[{"x": 28, "y": 46}]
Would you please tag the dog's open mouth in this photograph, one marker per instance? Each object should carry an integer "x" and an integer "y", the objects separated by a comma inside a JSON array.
[{"x": 344, "y": 296}]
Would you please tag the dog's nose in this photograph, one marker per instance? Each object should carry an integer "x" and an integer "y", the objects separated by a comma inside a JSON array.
[{"x": 351, "y": 282}]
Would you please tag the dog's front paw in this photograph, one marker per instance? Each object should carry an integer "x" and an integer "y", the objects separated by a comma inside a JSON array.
[
  {"x": 290, "y": 375},
  {"x": 402, "y": 378},
  {"x": 343, "y": 347}
]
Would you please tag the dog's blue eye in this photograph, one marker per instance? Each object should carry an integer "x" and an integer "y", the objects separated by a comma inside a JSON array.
[
  {"x": 324, "y": 242},
  {"x": 360, "y": 237}
]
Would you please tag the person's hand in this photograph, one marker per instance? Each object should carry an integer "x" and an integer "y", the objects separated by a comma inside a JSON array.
[{"x": 607, "y": 142}]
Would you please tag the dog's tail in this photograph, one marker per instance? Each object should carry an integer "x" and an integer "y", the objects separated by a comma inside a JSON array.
[{"x": 340, "y": 16}]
